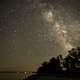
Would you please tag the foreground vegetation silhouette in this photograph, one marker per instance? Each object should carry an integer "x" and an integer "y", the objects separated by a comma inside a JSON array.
[{"x": 61, "y": 67}]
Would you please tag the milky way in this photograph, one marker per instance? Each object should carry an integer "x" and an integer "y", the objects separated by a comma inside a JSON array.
[
  {"x": 56, "y": 17},
  {"x": 60, "y": 29},
  {"x": 33, "y": 31}
]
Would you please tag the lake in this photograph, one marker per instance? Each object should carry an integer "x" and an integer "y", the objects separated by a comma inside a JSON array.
[
  {"x": 13, "y": 76},
  {"x": 21, "y": 76}
]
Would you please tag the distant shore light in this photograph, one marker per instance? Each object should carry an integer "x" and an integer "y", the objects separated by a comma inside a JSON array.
[{"x": 24, "y": 72}]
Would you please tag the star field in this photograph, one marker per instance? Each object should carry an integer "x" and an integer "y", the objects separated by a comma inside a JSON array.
[{"x": 33, "y": 31}]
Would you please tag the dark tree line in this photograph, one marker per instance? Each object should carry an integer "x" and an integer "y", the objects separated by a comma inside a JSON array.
[
  {"x": 60, "y": 67},
  {"x": 70, "y": 65}
]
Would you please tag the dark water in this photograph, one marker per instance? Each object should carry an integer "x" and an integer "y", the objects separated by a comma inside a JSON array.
[
  {"x": 12, "y": 76},
  {"x": 21, "y": 76}
]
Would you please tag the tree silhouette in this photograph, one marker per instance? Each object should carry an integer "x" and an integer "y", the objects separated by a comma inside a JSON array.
[
  {"x": 59, "y": 63},
  {"x": 72, "y": 61},
  {"x": 54, "y": 65},
  {"x": 59, "y": 66},
  {"x": 44, "y": 68},
  {"x": 51, "y": 67},
  {"x": 70, "y": 65}
]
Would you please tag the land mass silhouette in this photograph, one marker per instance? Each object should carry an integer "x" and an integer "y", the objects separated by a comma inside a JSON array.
[{"x": 68, "y": 67}]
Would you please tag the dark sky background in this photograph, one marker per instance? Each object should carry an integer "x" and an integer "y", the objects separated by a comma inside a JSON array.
[{"x": 27, "y": 39}]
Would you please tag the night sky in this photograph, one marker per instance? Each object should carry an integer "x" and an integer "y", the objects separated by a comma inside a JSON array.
[{"x": 33, "y": 31}]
